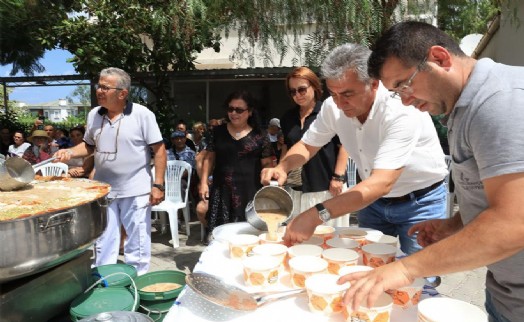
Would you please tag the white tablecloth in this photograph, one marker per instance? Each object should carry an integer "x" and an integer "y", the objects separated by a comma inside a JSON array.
[{"x": 215, "y": 260}]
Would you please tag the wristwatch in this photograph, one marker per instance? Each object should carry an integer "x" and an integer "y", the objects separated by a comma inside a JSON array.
[
  {"x": 339, "y": 177},
  {"x": 159, "y": 186},
  {"x": 323, "y": 213}
]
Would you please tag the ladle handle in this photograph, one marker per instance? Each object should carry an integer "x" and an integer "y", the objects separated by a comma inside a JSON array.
[
  {"x": 35, "y": 166},
  {"x": 273, "y": 183},
  {"x": 264, "y": 298}
]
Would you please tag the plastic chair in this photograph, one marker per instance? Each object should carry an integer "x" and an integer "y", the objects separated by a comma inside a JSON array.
[
  {"x": 53, "y": 169},
  {"x": 451, "y": 189},
  {"x": 174, "y": 197},
  {"x": 352, "y": 173}
]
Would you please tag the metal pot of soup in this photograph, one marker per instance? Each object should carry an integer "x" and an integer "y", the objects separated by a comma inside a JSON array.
[
  {"x": 48, "y": 223},
  {"x": 271, "y": 206}
]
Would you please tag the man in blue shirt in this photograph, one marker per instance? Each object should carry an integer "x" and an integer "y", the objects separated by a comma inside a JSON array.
[{"x": 179, "y": 150}]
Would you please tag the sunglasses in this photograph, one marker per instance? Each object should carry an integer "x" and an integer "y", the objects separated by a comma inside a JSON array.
[
  {"x": 237, "y": 110},
  {"x": 301, "y": 90}
]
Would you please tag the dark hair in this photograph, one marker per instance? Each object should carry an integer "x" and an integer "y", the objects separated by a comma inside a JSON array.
[
  {"x": 410, "y": 42},
  {"x": 81, "y": 129},
  {"x": 310, "y": 76},
  {"x": 21, "y": 132},
  {"x": 64, "y": 131},
  {"x": 252, "y": 106}
]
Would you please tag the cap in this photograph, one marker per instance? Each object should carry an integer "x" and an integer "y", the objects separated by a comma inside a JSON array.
[
  {"x": 39, "y": 134},
  {"x": 178, "y": 134},
  {"x": 274, "y": 122}
]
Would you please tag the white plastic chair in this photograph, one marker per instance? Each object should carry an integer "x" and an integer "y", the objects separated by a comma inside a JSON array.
[
  {"x": 352, "y": 173},
  {"x": 451, "y": 194},
  {"x": 53, "y": 169},
  {"x": 174, "y": 197}
]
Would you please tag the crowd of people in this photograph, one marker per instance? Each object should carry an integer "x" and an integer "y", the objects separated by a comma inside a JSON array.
[
  {"x": 43, "y": 141},
  {"x": 376, "y": 113}
]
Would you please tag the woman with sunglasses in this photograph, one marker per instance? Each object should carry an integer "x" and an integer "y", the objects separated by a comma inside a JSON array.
[
  {"x": 323, "y": 176},
  {"x": 236, "y": 153}
]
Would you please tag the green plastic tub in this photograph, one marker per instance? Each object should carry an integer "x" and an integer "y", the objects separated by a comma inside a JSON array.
[
  {"x": 100, "y": 300},
  {"x": 157, "y": 304},
  {"x": 160, "y": 277},
  {"x": 121, "y": 273}
]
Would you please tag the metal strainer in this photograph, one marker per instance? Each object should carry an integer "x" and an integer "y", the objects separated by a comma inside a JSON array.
[{"x": 215, "y": 290}]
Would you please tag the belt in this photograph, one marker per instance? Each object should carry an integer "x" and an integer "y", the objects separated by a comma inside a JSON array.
[{"x": 413, "y": 194}]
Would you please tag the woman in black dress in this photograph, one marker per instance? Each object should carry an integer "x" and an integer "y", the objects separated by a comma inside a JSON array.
[{"x": 237, "y": 151}]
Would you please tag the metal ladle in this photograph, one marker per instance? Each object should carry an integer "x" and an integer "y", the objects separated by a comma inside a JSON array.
[
  {"x": 215, "y": 290},
  {"x": 16, "y": 173}
]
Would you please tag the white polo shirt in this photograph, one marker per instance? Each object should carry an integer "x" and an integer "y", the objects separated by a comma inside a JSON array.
[
  {"x": 122, "y": 155},
  {"x": 392, "y": 137}
]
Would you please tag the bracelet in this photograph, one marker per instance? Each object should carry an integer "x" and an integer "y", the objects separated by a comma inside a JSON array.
[{"x": 336, "y": 177}]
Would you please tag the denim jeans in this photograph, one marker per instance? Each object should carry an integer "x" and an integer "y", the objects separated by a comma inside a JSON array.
[
  {"x": 395, "y": 218},
  {"x": 494, "y": 315}
]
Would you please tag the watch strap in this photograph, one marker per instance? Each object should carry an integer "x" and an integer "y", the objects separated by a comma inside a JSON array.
[
  {"x": 320, "y": 207},
  {"x": 160, "y": 187}
]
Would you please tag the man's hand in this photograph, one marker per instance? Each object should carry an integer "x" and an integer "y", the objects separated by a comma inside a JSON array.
[
  {"x": 302, "y": 227},
  {"x": 270, "y": 174},
  {"x": 63, "y": 155},
  {"x": 156, "y": 197},
  {"x": 367, "y": 286},
  {"x": 431, "y": 231}
]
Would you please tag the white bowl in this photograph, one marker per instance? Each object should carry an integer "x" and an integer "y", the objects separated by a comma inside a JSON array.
[
  {"x": 443, "y": 309},
  {"x": 302, "y": 267},
  {"x": 260, "y": 271},
  {"x": 343, "y": 242},
  {"x": 382, "y": 239},
  {"x": 325, "y": 294}
]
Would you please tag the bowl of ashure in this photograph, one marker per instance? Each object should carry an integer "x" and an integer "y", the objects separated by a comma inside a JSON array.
[{"x": 158, "y": 290}]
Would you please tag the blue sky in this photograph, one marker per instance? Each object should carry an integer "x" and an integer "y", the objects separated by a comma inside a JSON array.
[{"x": 55, "y": 63}]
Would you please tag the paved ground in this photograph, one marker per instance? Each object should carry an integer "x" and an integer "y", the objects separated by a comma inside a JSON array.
[{"x": 467, "y": 286}]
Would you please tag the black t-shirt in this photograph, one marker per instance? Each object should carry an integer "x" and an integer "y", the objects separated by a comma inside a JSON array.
[{"x": 317, "y": 172}]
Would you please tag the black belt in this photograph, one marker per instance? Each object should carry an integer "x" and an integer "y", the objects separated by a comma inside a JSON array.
[{"x": 414, "y": 194}]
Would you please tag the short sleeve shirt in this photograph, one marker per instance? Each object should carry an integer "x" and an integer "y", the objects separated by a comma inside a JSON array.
[
  {"x": 393, "y": 136},
  {"x": 122, "y": 148},
  {"x": 485, "y": 137}
]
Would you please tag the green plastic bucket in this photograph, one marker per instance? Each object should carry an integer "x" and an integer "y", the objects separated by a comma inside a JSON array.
[
  {"x": 120, "y": 274},
  {"x": 157, "y": 304},
  {"x": 100, "y": 300}
]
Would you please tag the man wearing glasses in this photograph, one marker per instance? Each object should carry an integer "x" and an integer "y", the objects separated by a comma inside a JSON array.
[
  {"x": 483, "y": 106},
  {"x": 396, "y": 150},
  {"x": 120, "y": 134}
]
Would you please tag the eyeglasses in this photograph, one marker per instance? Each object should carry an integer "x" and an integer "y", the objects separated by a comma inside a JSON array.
[
  {"x": 301, "y": 90},
  {"x": 105, "y": 88},
  {"x": 97, "y": 138},
  {"x": 405, "y": 88},
  {"x": 237, "y": 110}
]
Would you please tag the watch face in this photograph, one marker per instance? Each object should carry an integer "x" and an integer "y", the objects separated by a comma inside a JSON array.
[{"x": 325, "y": 215}]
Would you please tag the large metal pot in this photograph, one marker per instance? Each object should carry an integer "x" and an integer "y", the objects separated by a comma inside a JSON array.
[{"x": 34, "y": 244}]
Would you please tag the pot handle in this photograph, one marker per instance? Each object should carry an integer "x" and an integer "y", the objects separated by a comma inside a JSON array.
[
  {"x": 105, "y": 201},
  {"x": 57, "y": 219}
]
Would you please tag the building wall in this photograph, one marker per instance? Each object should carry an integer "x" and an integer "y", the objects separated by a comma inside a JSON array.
[{"x": 507, "y": 44}]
